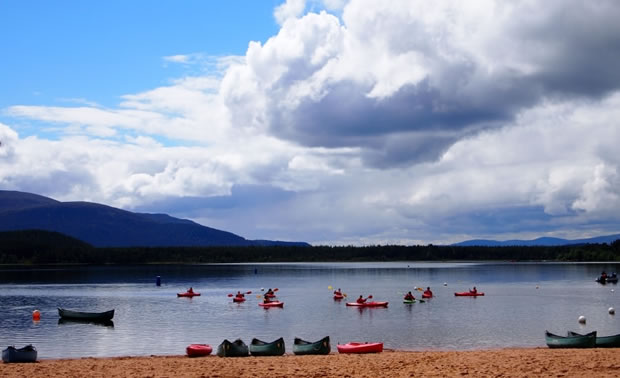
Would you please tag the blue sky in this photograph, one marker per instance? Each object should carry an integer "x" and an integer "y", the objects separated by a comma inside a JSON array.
[{"x": 328, "y": 121}]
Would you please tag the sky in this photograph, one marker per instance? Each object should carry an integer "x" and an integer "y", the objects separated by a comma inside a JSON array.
[{"x": 332, "y": 122}]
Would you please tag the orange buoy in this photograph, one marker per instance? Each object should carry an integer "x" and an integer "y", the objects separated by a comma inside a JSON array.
[{"x": 36, "y": 315}]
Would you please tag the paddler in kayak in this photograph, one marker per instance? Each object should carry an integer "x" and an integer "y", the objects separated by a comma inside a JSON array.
[
  {"x": 428, "y": 293},
  {"x": 266, "y": 298},
  {"x": 190, "y": 290},
  {"x": 338, "y": 292},
  {"x": 240, "y": 295},
  {"x": 270, "y": 292},
  {"x": 361, "y": 299},
  {"x": 474, "y": 290},
  {"x": 409, "y": 297}
]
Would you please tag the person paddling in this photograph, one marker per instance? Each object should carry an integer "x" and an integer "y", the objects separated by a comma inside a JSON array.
[
  {"x": 409, "y": 297},
  {"x": 190, "y": 290},
  {"x": 361, "y": 299},
  {"x": 474, "y": 290},
  {"x": 338, "y": 292},
  {"x": 240, "y": 295},
  {"x": 428, "y": 293}
]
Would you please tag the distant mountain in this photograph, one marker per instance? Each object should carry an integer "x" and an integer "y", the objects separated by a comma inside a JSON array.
[
  {"x": 106, "y": 226},
  {"x": 544, "y": 241}
]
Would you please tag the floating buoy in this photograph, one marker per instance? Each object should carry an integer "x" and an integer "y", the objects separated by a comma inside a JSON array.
[
  {"x": 537, "y": 286},
  {"x": 612, "y": 290},
  {"x": 36, "y": 315},
  {"x": 611, "y": 311},
  {"x": 445, "y": 284},
  {"x": 582, "y": 319}
]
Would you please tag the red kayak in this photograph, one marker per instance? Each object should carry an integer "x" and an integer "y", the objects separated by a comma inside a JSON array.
[
  {"x": 368, "y": 304},
  {"x": 272, "y": 304},
  {"x": 198, "y": 350},
  {"x": 427, "y": 295},
  {"x": 360, "y": 348},
  {"x": 468, "y": 294},
  {"x": 238, "y": 299},
  {"x": 188, "y": 294},
  {"x": 338, "y": 297}
]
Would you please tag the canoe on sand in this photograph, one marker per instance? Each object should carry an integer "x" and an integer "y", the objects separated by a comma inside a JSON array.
[{"x": 303, "y": 347}]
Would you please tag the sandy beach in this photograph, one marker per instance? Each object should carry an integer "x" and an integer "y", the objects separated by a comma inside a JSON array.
[{"x": 534, "y": 362}]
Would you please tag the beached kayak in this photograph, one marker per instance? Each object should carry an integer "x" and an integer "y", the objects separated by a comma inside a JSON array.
[
  {"x": 198, "y": 350},
  {"x": 360, "y": 348},
  {"x": 272, "y": 304},
  {"x": 235, "y": 349},
  {"x": 238, "y": 299},
  {"x": 368, "y": 304},
  {"x": 261, "y": 348},
  {"x": 571, "y": 341},
  {"x": 302, "y": 347},
  {"x": 188, "y": 294},
  {"x": 468, "y": 294}
]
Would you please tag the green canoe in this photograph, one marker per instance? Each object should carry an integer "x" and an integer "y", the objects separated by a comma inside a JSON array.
[
  {"x": 602, "y": 341},
  {"x": 408, "y": 301},
  {"x": 261, "y": 348},
  {"x": 581, "y": 341},
  {"x": 305, "y": 347},
  {"x": 234, "y": 349}
]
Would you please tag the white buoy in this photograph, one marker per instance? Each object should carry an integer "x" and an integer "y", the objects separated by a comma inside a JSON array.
[
  {"x": 537, "y": 286},
  {"x": 445, "y": 284},
  {"x": 611, "y": 311},
  {"x": 612, "y": 290},
  {"x": 582, "y": 319}
]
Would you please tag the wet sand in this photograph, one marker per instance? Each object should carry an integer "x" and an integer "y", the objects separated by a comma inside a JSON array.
[{"x": 531, "y": 362}]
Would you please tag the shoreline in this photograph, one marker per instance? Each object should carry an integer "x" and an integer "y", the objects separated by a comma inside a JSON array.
[{"x": 510, "y": 362}]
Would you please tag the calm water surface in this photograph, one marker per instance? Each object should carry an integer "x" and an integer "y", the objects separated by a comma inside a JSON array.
[{"x": 522, "y": 300}]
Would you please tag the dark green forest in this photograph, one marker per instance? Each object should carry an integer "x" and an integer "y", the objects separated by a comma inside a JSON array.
[{"x": 36, "y": 247}]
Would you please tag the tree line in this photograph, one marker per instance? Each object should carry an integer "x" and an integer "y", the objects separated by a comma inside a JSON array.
[{"x": 43, "y": 247}]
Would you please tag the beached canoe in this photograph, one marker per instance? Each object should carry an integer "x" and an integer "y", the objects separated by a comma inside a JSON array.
[
  {"x": 368, "y": 304},
  {"x": 302, "y": 347},
  {"x": 579, "y": 341},
  {"x": 272, "y": 304},
  {"x": 235, "y": 349},
  {"x": 90, "y": 316},
  {"x": 602, "y": 341},
  {"x": 468, "y": 294},
  {"x": 25, "y": 354},
  {"x": 198, "y": 350},
  {"x": 188, "y": 294},
  {"x": 261, "y": 348},
  {"x": 354, "y": 347}
]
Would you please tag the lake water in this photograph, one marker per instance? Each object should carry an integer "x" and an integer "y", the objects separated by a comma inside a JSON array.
[{"x": 522, "y": 300}]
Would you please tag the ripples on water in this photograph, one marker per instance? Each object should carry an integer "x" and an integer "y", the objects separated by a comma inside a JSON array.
[{"x": 152, "y": 320}]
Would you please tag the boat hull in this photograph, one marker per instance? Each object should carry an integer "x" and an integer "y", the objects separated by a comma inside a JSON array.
[
  {"x": 261, "y": 348},
  {"x": 578, "y": 341},
  {"x": 188, "y": 295},
  {"x": 87, "y": 316},
  {"x": 198, "y": 350},
  {"x": 426, "y": 295},
  {"x": 302, "y": 347},
  {"x": 272, "y": 304},
  {"x": 360, "y": 348},
  {"x": 238, "y": 299},
  {"x": 603, "y": 341},
  {"x": 338, "y": 297},
  {"x": 407, "y": 301},
  {"x": 468, "y": 294},
  {"x": 367, "y": 304},
  {"x": 17, "y": 355},
  {"x": 236, "y": 348}
]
